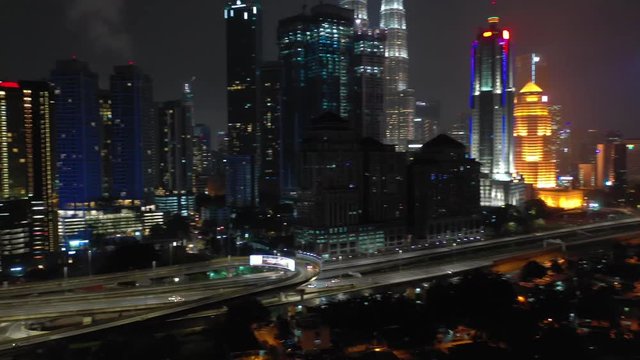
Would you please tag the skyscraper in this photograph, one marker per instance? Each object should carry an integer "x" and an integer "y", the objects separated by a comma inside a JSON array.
[
  {"x": 360, "y": 12},
  {"x": 202, "y": 161},
  {"x": 444, "y": 188},
  {"x": 399, "y": 101},
  {"x": 351, "y": 191},
  {"x": 106, "y": 121},
  {"x": 315, "y": 50},
  {"x": 492, "y": 96},
  {"x": 270, "y": 114},
  {"x": 533, "y": 132},
  {"x": 175, "y": 148},
  {"x": 244, "y": 52},
  {"x": 27, "y": 170},
  {"x": 367, "y": 97},
  {"x": 134, "y": 143},
  {"x": 77, "y": 129}
]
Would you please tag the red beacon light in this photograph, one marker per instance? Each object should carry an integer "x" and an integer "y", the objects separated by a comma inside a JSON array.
[
  {"x": 506, "y": 34},
  {"x": 9, "y": 84}
]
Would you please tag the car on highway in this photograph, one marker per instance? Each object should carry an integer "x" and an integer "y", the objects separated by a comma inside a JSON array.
[{"x": 175, "y": 298}]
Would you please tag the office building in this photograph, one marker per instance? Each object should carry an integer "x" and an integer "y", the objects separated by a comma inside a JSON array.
[
  {"x": 399, "y": 100},
  {"x": 367, "y": 99},
  {"x": 134, "y": 140},
  {"x": 587, "y": 176},
  {"x": 492, "y": 97},
  {"x": 367, "y": 112},
  {"x": 611, "y": 164},
  {"x": 270, "y": 114},
  {"x": 351, "y": 199},
  {"x": 360, "y": 13},
  {"x": 77, "y": 128},
  {"x": 459, "y": 130},
  {"x": 444, "y": 189},
  {"x": 182, "y": 204},
  {"x": 633, "y": 161},
  {"x": 243, "y": 20},
  {"x": 533, "y": 135},
  {"x": 426, "y": 122},
  {"x": 315, "y": 50}
]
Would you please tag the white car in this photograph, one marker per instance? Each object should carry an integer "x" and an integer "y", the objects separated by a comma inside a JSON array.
[{"x": 175, "y": 298}]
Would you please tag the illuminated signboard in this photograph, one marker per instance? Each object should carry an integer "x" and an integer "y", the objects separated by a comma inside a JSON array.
[{"x": 273, "y": 261}]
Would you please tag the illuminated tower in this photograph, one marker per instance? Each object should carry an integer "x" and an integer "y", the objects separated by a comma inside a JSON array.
[
  {"x": 533, "y": 138},
  {"x": 243, "y": 20},
  {"x": 359, "y": 7},
  {"x": 399, "y": 101},
  {"x": 27, "y": 176},
  {"x": 491, "y": 130},
  {"x": 367, "y": 97}
]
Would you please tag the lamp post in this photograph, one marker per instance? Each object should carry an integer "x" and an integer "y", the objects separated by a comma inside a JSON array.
[{"x": 89, "y": 257}]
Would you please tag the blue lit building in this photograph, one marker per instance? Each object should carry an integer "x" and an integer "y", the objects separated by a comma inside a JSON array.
[
  {"x": 315, "y": 49},
  {"x": 134, "y": 140},
  {"x": 491, "y": 130},
  {"x": 77, "y": 129},
  {"x": 239, "y": 181}
]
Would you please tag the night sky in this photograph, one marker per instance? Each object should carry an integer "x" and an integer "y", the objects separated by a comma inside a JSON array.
[{"x": 592, "y": 48}]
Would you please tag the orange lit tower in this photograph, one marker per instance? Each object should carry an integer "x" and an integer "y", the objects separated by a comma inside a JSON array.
[{"x": 533, "y": 137}]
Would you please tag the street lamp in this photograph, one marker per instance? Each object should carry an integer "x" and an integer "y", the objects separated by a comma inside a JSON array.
[{"x": 89, "y": 257}]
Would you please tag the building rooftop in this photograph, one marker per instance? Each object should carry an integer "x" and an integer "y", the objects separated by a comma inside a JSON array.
[{"x": 531, "y": 88}]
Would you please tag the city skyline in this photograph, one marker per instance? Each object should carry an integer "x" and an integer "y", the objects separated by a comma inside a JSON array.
[{"x": 542, "y": 27}]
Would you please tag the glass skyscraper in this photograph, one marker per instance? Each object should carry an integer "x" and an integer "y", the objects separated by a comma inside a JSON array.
[
  {"x": 360, "y": 12},
  {"x": 315, "y": 51},
  {"x": 399, "y": 100},
  {"x": 367, "y": 98},
  {"x": 491, "y": 130},
  {"x": 244, "y": 52}
]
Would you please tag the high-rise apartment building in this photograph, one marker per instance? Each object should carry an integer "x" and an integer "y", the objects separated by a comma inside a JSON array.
[
  {"x": 270, "y": 116},
  {"x": 202, "y": 158},
  {"x": 28, "y": 202},
  {"x": 77, "y": 128},
  {"x": 243, "y": 20},
  {"x": 106, "y": 121},
  {"x": 175, "y": 148},
  {"x": 134, "y": 137},
  {"x": 399, "y": 99},
  {"x": 315, "y": 49},
  {"x": 534, "y": 137}
]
